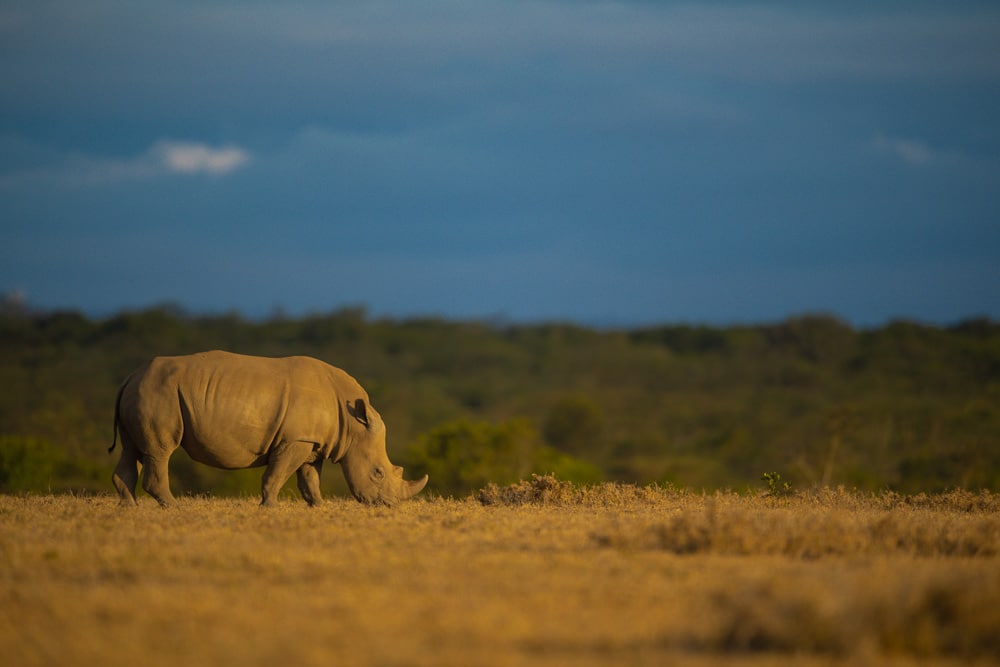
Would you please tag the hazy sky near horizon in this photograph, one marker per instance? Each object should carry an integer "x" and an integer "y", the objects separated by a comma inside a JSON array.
[{"x": 605, "y": 162}]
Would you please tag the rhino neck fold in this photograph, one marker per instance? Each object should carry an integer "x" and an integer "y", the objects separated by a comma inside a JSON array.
[
  {"x": 344, "y": 440},
  {"x": 338, "y": 451}
]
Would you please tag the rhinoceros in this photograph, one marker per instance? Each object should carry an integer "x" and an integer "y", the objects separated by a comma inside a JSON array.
[{"x": 233, "y": 411}]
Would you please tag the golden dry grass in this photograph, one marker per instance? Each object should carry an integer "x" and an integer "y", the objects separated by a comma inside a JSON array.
[{"x": 536, "y": 573}]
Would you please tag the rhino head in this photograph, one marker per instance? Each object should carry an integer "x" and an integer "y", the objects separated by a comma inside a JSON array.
[{"x": 370, "y": 475}]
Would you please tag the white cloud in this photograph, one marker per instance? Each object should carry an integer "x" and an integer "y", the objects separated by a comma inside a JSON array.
[
  {"x": 164, "y": 158},
  {"x": 910, "y": 151},
  {"x": 195, "y": 158}
]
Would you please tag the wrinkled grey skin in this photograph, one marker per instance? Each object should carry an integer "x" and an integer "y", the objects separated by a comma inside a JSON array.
[{"x": 233, "y": 411}]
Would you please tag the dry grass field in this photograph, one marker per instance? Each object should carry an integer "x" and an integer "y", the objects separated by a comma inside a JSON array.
[{"x": 536, "y": 573}]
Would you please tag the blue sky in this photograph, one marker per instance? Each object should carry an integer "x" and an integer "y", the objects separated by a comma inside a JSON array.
[{"x": 604, "y": 162}]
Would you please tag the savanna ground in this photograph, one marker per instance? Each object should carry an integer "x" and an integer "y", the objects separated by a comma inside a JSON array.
[{"x": 540, "y": 572}]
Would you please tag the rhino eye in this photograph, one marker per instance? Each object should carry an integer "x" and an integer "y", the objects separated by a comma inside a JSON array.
[{"x": 378, "y": 473}]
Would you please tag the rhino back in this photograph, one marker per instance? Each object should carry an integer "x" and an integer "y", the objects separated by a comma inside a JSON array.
[{"x": 234, "y": 408}]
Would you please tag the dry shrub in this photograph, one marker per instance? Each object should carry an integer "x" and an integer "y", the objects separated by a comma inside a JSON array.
[
  {"x": 539, "y": 490},
  {"x": 548, "y": 490}
]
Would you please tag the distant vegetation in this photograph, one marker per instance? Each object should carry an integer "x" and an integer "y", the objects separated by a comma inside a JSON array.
[{"x": 905, "y": 407}]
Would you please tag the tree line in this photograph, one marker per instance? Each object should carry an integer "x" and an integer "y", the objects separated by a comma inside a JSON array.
[{"x": 907, "y": 406}]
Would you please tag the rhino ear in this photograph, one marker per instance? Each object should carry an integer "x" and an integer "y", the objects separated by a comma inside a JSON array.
[{"x": 360, "y": 411}]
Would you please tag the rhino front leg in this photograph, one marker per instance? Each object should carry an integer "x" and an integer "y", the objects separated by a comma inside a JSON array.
[
  {"x": 309, "y": 475},
  {"x": 285, "y": 459},
  {"x": 156, "y": 481}
]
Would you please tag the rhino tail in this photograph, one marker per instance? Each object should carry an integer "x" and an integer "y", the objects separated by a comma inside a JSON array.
[{"x": 118, "y": 402}]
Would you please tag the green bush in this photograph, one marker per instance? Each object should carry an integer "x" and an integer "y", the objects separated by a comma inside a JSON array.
[
  {"x": 465, "y": 455},
  {"x": 27, "y": 464},
  {"x": 551, "y": 462}
]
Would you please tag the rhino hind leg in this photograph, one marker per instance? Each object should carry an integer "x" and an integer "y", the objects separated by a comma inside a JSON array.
[
  {"x": 126, "y": 474},
  {"x": 285, "y": 459},
  {"x": 156, "y": 481}
]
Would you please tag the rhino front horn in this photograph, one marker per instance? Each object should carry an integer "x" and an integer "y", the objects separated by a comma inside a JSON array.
[{"x": 411, "y": 489}]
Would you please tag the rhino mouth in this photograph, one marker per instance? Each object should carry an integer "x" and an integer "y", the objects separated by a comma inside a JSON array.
[
  {"x": 373, "y": 501},
  {"x": 407, "y": 489}
]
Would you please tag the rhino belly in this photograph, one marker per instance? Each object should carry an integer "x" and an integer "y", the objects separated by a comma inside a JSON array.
[{"x": 225, "y": 453}]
